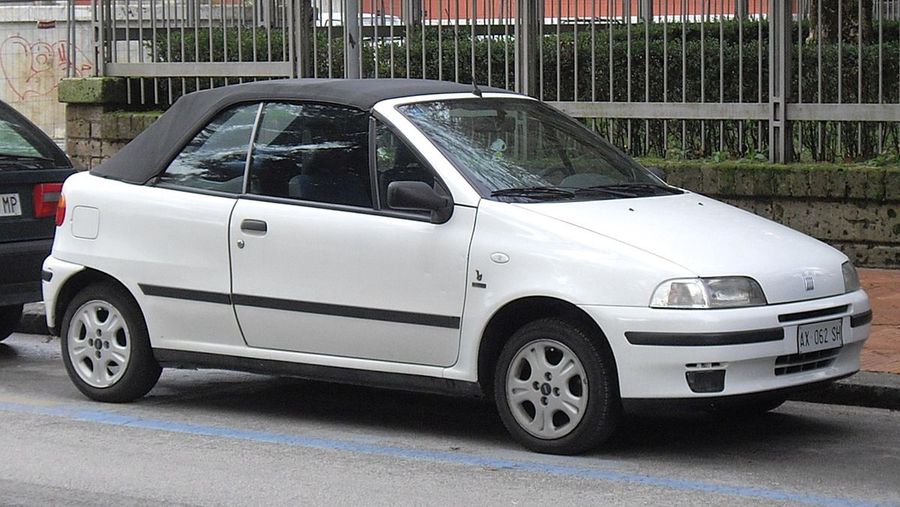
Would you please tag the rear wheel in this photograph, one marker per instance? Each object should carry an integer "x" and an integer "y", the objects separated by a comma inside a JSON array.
[
  {"x": 9, "y": 320},
  {"x": 555, "y": 388},
  {"x": 106, "y": 347}
]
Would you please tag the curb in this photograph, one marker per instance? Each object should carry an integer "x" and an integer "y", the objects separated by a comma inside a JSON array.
[{"x": 864, "y": 389}]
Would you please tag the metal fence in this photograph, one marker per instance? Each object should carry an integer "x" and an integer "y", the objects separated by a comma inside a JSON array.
[{"x": 771, "y": 79}]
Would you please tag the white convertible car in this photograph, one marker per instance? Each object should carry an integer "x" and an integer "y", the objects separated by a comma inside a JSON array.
[{"x": 438, "y": 237}]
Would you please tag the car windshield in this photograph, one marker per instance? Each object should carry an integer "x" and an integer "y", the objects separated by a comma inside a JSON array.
[{"x": 524, "y": 151}]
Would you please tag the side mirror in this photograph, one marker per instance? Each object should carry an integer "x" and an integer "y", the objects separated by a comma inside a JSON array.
[
  {"x": 419, "y": 196},
  {"x": 659, "y": 173}
]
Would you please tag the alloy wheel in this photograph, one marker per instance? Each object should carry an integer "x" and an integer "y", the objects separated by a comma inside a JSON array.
[
  {"x": 546, "y": 389},
  {"x": 99, "y": 343}
]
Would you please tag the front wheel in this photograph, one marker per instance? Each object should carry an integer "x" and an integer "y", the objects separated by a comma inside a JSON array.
[
  {"x": 9, "y": 320},
  {"x": 106, "y": 347},
  {"x": 555, "y": 388}
]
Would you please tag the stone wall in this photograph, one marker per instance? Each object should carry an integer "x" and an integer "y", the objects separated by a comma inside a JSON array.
[
  {"x": 855, "y": 209},
  {"x": 95, "y": 133},
  {"x": 96, "y": 125}
]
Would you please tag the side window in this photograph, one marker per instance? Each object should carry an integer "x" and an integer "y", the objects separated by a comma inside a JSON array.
[
  {"x": 396, "y": 161},
  {"x": 215, "y": 159},
  {"x": 312, "y": 152}
]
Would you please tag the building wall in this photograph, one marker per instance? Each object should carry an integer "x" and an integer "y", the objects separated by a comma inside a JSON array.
[
  {"x": 34, "y": 57},
  {"x": 447, "y": 9}
]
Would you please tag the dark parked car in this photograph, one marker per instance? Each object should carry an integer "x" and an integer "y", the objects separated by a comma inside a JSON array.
[{"x": 32, "y": 169}]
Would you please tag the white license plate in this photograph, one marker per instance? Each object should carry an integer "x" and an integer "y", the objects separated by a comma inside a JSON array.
[
  {"x": 819, "y": 336},
  {"x": 10, "y": 205}
]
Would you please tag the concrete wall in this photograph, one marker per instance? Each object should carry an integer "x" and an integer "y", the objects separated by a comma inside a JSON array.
[
  {"x": 34, "y": 57},
  {"x": 856, "y": 210}
]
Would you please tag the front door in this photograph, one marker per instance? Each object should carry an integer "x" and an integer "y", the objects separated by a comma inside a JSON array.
[{"x": 319, "y": 267}]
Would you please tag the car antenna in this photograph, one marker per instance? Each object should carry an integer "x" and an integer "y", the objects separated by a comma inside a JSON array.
[{"x": 475, "y": 89}]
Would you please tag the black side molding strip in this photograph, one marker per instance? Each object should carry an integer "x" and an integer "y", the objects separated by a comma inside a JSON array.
[
  {"x": 705, "y": 339},
  {"x": 185, "y": 359},
  {"x": 188, "y": 294},
  {"x": 422, "y": 319},
  {"x": 791, "y": 317},
  {"x": 861, "y": 319},
  {"x": 356, "y": 312}
]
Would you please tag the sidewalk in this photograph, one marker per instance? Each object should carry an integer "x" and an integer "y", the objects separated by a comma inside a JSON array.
[{"x": 882, "y": 351}]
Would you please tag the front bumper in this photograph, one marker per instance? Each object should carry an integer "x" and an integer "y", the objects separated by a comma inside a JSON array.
[
  {"x": 657, "y": 350},
  {"x": 20, "y": 277}
]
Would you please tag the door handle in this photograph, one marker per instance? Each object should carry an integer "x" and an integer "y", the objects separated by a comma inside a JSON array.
[{"x": 251, "y": 225}]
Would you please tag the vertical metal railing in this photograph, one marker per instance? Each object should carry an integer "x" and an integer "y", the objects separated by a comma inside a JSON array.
[{"x": 761, "y": 79}]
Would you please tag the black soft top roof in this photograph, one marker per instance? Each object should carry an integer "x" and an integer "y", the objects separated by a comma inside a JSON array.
[{"x": 142, "y": 158}]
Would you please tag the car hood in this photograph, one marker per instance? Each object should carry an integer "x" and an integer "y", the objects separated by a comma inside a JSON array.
[{"x": 710, "y": 238}]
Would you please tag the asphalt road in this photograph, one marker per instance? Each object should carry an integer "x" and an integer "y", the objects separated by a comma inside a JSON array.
[{"x": 212, "y": 437}]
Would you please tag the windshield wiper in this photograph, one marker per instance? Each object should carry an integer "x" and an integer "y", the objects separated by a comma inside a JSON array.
[
  {"x": 644, "y": 186},
  {"x": 534, "y": 193},
  {"x": 631, "y": 189},
  {"x": 604, "y": 189}
]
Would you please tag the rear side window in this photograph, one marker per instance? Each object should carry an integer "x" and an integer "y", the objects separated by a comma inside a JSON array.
[
  {"x": 312, "y": 152},
  {"x": 215, "y": 158}
]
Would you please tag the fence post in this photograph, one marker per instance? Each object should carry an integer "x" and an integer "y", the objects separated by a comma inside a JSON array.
[
  {"x": 352, "y": 41},
  {"x": 412, "y": 13},
  {"x": 529, "y": 17},
  {"x": 303, "y": 19},
  {"x": 646, "y": 10},
  {"x": 780, "y": 67},
  {"x": 70, "y": 39},
  {"x": 98, "y": 26}
]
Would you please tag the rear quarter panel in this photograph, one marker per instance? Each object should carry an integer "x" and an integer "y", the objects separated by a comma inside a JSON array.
[{"x": 155, "y": 236}]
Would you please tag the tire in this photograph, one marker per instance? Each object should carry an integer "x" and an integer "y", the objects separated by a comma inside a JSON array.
[
  {"x": 568, "y": 414},
  {"x": 10, "y": 316},
  {"x": 105, "y": 345}
]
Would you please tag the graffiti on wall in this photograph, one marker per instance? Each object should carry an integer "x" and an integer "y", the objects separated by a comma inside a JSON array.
[{"x": 34, "y": 68}]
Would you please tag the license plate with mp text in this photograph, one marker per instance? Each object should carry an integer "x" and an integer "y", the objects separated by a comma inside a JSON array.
[{"x": 10, "y": 205}]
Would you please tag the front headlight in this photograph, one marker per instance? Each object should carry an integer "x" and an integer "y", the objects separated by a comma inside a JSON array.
[
  {"x": 851, "y": 277},
  {"x": 725, "y": 292}
]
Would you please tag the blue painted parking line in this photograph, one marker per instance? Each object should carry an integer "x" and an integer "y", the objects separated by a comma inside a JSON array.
[{"x": 463, "y": 459}]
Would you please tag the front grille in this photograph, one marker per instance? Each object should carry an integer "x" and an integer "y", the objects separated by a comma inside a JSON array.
[{"x": 796, "y": 363}]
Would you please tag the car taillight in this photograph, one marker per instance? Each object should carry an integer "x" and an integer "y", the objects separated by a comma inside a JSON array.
[
  {"x": 61, "y": 211},
  {"x": 46, "y": 196}
]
